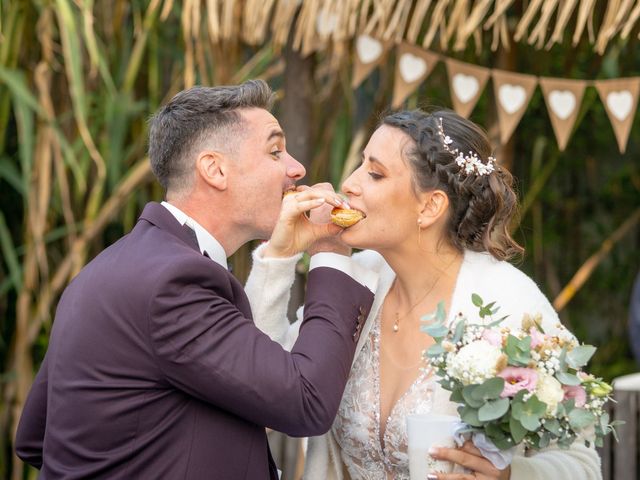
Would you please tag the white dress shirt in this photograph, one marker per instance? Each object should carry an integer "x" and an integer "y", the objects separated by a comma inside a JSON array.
[{"x": 206, "y": 241}]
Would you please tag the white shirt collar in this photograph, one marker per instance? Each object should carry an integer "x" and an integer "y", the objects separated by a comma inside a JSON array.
[{"x": 206, "y": 241}]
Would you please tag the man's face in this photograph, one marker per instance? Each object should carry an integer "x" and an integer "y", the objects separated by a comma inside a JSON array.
[{"x": 262, "y": 172}]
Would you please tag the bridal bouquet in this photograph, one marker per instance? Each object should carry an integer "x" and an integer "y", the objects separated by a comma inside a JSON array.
[{"x": 518, "y": 385}]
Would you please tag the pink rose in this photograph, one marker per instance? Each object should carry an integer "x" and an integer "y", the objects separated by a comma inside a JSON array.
[
  {"x": 494, "y": 337},
  {"x": 537, "y": 338},
  {"x": 577, "y": 393},
  {"x": 516, "y": 379}
]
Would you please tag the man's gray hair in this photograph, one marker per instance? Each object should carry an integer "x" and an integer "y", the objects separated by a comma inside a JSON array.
[{"x": 191, "y": 118}]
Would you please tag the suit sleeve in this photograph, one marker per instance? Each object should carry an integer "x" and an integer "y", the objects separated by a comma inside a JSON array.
[
  {"x": 206, "y": 347},
  {"x": 31, "y": 428}
]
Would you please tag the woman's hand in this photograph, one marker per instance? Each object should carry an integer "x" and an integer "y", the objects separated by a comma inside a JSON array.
[
  {"x": 294, "y": 233},
  {"x": 469, "y": 457}
]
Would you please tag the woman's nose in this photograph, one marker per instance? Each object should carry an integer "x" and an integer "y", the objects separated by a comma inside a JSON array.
[{"x": 350, "y": 185}]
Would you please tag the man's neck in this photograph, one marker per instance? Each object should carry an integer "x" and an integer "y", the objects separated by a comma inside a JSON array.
[{"x": 219, "y": 225}]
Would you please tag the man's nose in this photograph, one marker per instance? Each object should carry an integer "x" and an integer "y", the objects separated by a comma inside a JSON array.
[{"x": 295, "y": 169}]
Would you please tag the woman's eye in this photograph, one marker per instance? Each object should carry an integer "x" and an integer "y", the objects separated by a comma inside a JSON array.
[
  {"x": 276, "y": 153},
  {"x": 374, "y": 175}
]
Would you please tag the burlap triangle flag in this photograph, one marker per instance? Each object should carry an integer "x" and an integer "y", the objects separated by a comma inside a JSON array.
[
  {"x": 513, "y": 92},
  {"x": 369, "y": 53},
  {"x": 563, "y": 98},
  {"x": 413, "y": 65},
  {"x": 620, "y": 98},
  {"x": 466, "y": 83}
]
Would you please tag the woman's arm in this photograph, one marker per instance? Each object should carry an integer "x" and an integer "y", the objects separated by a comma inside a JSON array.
[
  {"x": 576, "y": 463},
  {"x": 269, "y": 290}
]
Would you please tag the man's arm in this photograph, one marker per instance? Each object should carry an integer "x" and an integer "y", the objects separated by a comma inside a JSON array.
[
  {"x": 207, "y": 348},
  {"x": 30, "y": 434}
]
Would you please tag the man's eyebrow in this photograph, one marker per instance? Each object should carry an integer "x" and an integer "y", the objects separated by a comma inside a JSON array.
[{"x": 275, "y": 133}]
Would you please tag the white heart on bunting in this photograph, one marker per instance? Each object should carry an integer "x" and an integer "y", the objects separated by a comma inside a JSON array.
[
  {"x": 465, "y": 87},
  {"x": 369, "y": 49},
  {"x": 326, "y": 23},
  {"x": 563, "y": 103},
  {"x": 511, "y": 97},
  {"x": 620, "y": 103},
  {"x": 412, "y": 67}
]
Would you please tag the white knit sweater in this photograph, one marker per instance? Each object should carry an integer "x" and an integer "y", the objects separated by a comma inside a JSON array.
[{"x": 268, "y": 289}]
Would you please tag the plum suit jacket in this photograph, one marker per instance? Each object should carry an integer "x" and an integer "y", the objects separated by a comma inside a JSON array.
[{"x": 155, "y": 368}]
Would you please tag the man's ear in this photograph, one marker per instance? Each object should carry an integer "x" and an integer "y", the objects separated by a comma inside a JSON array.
[
  {"x": 212, "y": 169},
  {"x": 434, "y": 206}
]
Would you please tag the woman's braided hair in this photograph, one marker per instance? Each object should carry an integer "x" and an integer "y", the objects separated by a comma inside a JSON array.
[{"x": 481, "y": 206}]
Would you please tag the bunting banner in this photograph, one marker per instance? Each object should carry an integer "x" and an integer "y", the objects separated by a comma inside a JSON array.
[
  {"x": 413, "y": 66},
  {"x": 466, "y": 83},
  {"x": 513, "y": 92},
  {"x": 620, "y": 99},
  {"x": 369, "y": 53},
  {"x": 563, "y": 99}
]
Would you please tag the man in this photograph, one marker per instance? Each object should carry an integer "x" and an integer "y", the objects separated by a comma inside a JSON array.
[{"x": 155, "y": 368}]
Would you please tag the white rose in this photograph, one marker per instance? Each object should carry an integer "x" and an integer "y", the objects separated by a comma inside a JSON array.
[
  {"x": 475, "y": 362},
  {"x": 549, "y": 390}
]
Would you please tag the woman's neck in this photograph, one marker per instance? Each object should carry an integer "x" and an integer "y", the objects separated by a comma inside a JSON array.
[{"x": 420, "y": 269}]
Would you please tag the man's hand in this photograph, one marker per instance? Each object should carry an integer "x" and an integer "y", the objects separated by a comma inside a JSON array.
[{"x": 294, "y": 232}]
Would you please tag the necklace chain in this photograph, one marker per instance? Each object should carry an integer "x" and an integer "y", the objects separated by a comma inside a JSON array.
[{"x": 396, "y": 323}]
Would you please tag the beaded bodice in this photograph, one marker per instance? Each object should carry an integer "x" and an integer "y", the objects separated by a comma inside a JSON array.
[{"x": 366, "y": 453}]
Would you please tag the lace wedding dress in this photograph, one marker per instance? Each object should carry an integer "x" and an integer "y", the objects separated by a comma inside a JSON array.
[{"x": 367, "y": 454}]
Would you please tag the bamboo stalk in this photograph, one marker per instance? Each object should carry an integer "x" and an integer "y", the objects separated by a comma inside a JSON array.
[
  {"x": 588, "y": 267},
  {"x": 138, "y": 175}
]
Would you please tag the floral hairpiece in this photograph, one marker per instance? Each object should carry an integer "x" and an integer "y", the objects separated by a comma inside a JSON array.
[{"x": 470, "y": 163}]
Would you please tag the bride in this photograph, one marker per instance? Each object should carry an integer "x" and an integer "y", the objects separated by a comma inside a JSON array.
[{"x": 437, "y": 212}]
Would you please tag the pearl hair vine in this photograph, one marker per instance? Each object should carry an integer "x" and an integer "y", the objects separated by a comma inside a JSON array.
[{"x": 470, "y": 163}]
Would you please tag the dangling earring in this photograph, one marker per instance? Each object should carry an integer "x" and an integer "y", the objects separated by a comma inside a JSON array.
[{"x": 419, "y": 232}]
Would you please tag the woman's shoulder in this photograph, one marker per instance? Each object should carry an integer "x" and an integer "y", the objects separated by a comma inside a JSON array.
[
  {"x": 503, "y": 283},
  {"x": 496, "y": 274}
]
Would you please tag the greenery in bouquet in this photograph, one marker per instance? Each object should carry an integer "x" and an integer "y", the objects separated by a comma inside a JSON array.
[{"x": 518, "y": 385}]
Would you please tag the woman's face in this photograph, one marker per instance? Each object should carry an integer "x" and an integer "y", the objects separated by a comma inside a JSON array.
[{"x": 381, "y": 187}]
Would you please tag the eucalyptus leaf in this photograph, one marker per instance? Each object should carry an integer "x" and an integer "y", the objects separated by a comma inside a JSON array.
[
  {"x": 436, "y": 330},
  {"x": 568, "y": 405},
  {"x": 530, "y": 422},
  {"x": 504, "y": 443},
  {"x": 460, "y": 326},
  {"x": 562, "y": 359},
  {"x": 441, "y": 313},
  {"x": 495, "y": 323},
  {"x": 468, "y": 393},
  {"x": 456, "y": 395},
  {"x": 518, "y": 432},
  {"x": 490, "y": 389},
  {"x": 470, "y": 416},
  {"x": 435, "y": 350},
  {"x": 493, "y": 409},
  {"x": 476, "y": 300},
  {"x": 580, "y": 355},
  {"x": 552, "y": 425},
  {"x": 580, "y": 418},
  {"x": 544, "y": 440},
  {"x": 568, "y": 378}
]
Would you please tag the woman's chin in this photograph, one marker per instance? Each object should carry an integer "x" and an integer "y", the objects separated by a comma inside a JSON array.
[{"x": 353, "y": 236}]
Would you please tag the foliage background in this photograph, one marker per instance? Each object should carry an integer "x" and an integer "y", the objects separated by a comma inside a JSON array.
[{"x": 79, "y": 80}]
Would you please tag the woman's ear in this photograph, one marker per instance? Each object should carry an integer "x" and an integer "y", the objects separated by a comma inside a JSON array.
[
  {"x": 434, "y": 206},
  {"x": 212, "y": 169}
]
